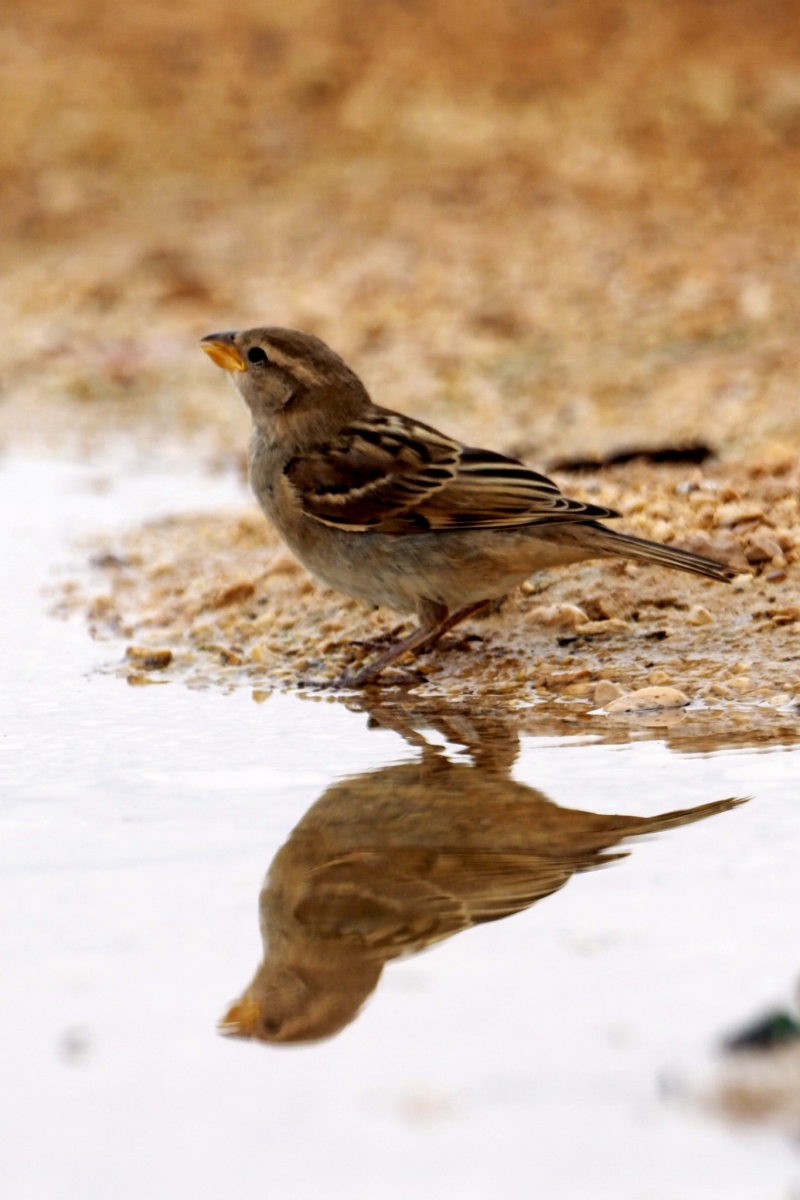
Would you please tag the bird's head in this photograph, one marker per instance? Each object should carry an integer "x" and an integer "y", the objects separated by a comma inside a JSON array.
[
  {"x": 285, "y": 374},
  {"x": 299, "y": 1004}
]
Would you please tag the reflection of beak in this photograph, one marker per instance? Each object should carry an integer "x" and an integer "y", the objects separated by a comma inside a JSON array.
[
  {"x": 221, "y": 349},
  {"x": 241, "y": 1018}
]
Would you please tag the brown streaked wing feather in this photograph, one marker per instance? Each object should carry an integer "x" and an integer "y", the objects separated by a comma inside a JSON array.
[
  {"x": 365, "y": 898},
  {"x": 491, "y": 491},
  {"x": 373, "y": 471},
  {"x": 407, "y": 898},
  {"x": 395, "y": 475},
  {"x": 494, "y": 884}
]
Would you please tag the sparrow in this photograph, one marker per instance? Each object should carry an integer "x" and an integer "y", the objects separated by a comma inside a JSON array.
[
  {"x": 395, "y": 860},
  {"x": 386, "y": 509}
]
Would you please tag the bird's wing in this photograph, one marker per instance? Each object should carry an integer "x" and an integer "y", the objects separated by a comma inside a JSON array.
[
  {"x": 364, "y": 900},
  {"x": 494, "y": 885},
  {"x": 404, "y": 899},
  {"x": 394, "y": 475}
]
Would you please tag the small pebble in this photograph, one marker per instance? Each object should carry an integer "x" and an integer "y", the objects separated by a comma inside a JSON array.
[
  {"x": 659, "y": 678},
  {"x": 778, "y": 700},
  {"x": 660, "y": 600},
  {"x": 740, "y": 583},
  {"x": 149, "y": 659},
  {"x": 559, "y": 679},
  {"x": 648, "y": 698},
  {"x": 728, "y": 515},
  {"x": 565, "y": 616},
  {"x": 579, "y": 690},
  {"x": 230, "y": 658},
  {"x": 741, "y": 684},
  {"x": 786, "y": 616},
  {"x": 234, "y": 594},
  {"x": 698, "y": 615},
  {"x": 606, "y": 691},
  {"x": 283, "y": 562},
  {"x": 599, "y": 628},
  {"x": 761, "y": 547}
]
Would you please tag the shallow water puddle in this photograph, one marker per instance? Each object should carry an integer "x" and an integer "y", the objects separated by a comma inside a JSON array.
[{"x": 549, "y": 1044}]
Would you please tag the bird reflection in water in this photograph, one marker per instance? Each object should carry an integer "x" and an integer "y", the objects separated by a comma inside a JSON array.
[{"x": 392, "y": 861}]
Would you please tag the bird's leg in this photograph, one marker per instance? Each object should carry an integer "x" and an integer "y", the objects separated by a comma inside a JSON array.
[
  {"x": 380, "y": 640},
  {"x": 434, "y": 620},
  {"x": 432, "y": 616},
  {"x": 448, "y": 623}
]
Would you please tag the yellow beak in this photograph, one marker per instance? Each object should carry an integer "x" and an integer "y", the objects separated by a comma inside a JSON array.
[
  {"x": 220, "y": 349},
  {"x": 241, "y": 1019}
]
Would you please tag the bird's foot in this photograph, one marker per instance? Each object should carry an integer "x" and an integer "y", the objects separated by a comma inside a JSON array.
[
  {"x": 381, "y": 640},
  {"x": 380, "y": 677},
  {"x": 455, "y": 643}
]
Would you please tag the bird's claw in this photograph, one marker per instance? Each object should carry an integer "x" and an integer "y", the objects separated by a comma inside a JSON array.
[{"x": 387, "y": 677}]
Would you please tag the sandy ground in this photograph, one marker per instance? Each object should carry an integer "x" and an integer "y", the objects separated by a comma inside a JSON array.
[
  {"x": 216, "y": 600},
  {"x": 568, "y": 228}
]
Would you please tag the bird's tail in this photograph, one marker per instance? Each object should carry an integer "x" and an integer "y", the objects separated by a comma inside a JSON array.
[
  {"x": 685, "y": 816},
  {"x": 628, "y": 546},
  {"x": 617, "y": 829}
]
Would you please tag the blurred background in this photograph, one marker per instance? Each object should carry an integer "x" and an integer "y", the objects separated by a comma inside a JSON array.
[{"x": 568, "y": 227}]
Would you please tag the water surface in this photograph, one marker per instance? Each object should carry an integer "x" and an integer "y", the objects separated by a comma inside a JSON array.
[{"x": 530, "y": 1054}]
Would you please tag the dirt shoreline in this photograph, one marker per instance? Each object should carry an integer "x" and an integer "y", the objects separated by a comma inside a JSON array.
[{"x": 227, "y": 606}]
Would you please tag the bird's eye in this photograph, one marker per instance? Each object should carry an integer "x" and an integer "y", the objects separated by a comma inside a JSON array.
[
  {"x": 257, "y": 356},
  {"x": 272, "y": 1025}
]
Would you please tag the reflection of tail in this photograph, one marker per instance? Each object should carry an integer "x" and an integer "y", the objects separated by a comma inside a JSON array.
[
  {"x": 592, "y": 847},
  {"x": 628, "y": 546},
  {"x": 683, "y": 816}
]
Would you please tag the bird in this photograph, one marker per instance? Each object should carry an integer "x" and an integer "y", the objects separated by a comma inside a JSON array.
[
  {"x": 392, "y": 861},
  {"x": 388, "y": 510}
]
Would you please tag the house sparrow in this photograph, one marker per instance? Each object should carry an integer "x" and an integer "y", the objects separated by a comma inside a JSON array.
[
  {"x": 392, "y": 512},
  {"x": 392, "y": 861}
]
